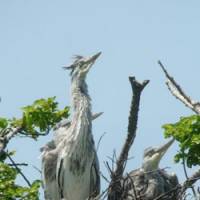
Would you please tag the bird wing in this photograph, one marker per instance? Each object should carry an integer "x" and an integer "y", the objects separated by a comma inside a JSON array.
[
  {"x": 51, "y": 191},
  {"x": 171, "y": 180},
  {"x": 63, "y": 123},
  {"x": 49, "y": 161},
  {"x": 95, "y": 177},
  {"x": 134, "y": 184},
  {"x": 67, "y": 122},
  {"x": 60, "y": 176}
]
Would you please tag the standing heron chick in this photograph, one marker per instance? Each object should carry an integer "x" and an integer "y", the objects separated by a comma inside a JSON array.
[
  {"x": 49, "y": 155},
  {"x": 77, "y": 172}
]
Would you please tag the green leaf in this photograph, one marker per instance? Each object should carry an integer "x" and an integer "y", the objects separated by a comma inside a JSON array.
[
  {"x": 42, "y": 115},
  {"x": 36, "y": 119},
  {"x": 187, "y": 132},
  {"x": 3, "y": 123},
  {"x": 10, "y": 190}
]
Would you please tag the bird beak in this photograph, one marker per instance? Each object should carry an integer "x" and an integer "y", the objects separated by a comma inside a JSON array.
[
  {"x": 90, "y": 61},
  {"x": 94, "y": 57},
  {"x": 162, "y": 149}
]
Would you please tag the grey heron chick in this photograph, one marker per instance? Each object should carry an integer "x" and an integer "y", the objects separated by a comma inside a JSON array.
[
  {"x": 77, "y": 172},
  {"x": 150, "y": 181},
  {"x": 153, "y": 155},
  {"x": 49, "y": 154},
  {"x": 60, "y": 130},
  {"x": 49, "y": 162}
]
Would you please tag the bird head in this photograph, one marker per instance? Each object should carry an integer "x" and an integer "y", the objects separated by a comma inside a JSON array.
[
  {"x": 81, "y": 65},
  {"x": 152, "y": 156}
]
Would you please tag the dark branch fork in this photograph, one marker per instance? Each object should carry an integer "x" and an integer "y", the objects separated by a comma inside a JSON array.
[
  {"x": 132, "y": 125},
  {"x": 9, "y": 133},
  {"x": 115, "y": 189},
  {"x": 6, "y": 138}
]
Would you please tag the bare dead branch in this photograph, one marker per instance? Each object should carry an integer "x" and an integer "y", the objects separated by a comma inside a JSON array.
[
  {"x": 178, "y": 92},
  {"x": 132, "y": 124},
  {"x": 115, "y": 190}
]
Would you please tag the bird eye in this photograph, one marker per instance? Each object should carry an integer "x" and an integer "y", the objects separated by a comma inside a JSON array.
[
  {"x": 81, "y": 63},
  {"x": 151, "y": 152}
]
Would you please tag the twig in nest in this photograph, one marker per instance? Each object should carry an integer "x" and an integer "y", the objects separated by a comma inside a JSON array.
[
  {"x": 99, "y": 142},
  {"x": 37, "y": 169},
  {"x": 104, "y": 177}
]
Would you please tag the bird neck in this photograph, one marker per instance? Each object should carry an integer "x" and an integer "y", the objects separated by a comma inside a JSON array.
[
  {"x": 82, "y": 117},
  {"x": 80, "y": 96},
  {"x": 148, "y": 166},
  {"x": 81, "y": 127}
]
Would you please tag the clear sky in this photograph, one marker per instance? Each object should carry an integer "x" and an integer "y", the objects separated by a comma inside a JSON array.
[{"x": 38, "y": 37}]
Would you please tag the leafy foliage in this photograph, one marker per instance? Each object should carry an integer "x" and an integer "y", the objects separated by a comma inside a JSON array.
[
  {"x": 10, "y": 191},
  {"x": 42, "y": 115},
  {"x": 187, "y": 133},
  {"x": 37, "y": 119},
  {"x": 3, "y": 123}
]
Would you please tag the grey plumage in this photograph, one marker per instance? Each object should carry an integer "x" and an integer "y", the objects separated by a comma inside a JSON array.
[
  {"x": 77, "y": 173},
  {"x": 49, "y": 163},
  {"x": 69, "y": 162},
  {"x": 50, "y": 156},
  {"x": 61, "y": 129},
  {"x": 67, "y": 123},
  {"x": 149, "y": 181}
]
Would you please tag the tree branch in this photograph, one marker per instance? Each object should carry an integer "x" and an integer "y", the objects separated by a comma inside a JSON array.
[
  {"x": 18, "y": 164},
  {"x": 190, "y": 181},
  {"x": 6, "y": 138},
  {"x": 180, "y": 189},
  {"x": 178, "y": 92},
  {"x": 187, "y": 178},
  {"x": 115, "y": 190},
  {"x": 19, "y": 170}
]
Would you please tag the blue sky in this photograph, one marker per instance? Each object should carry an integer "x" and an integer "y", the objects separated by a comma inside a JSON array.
[{"x": 38, "y": 37}]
